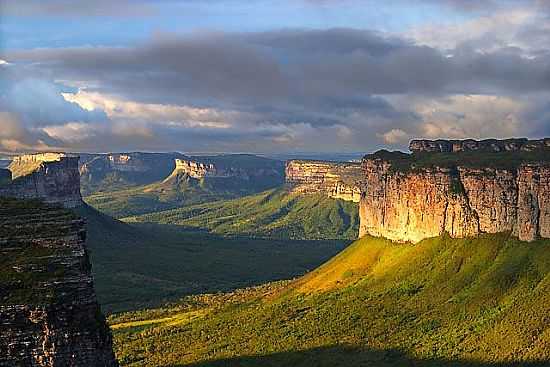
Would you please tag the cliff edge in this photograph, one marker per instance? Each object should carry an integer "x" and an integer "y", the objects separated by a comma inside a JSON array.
[
  {"x": 337, "y": 180},
  {"x": 48, "y": 309},
  {"x": 412, "y": 197},
  {"x": 51, "y": 177}
]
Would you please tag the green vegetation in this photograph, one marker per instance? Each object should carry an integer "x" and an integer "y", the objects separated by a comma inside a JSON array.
[
  {"x": 497, "y": 160},
  {"x": 172, "y": 193},
  {"x": 144, "y": 265},
  {"x": 25, "y": 264},
  {"x": 117, "y": 193},
  {"x": 443, "y": 302},
  {"x": 271, "y": 214}
]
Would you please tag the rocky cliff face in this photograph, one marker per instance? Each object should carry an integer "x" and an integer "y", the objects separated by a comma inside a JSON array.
[
  {"x": 242, "y": 167},
  {"x": 337, "y": 180},
  {"x": 408, "y": 204},
  {"x": 470, "y": 145},
  {"x": 49, "y": 315},
  {"x": 51, "y": 177}
]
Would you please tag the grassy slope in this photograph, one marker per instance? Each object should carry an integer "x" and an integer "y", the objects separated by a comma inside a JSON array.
[
  {"x": 274, "y": 214},
  {"x": 442, "y": 302},
  {"x": 172, "y": 193},
  {"x": 145, "y": 265}
]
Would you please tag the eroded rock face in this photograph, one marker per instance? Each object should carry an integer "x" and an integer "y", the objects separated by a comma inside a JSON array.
[
  {"x": 205, "y": 169},
  {"x": 338, "y": 180},
  {"x": 414, "y": 205},
  {"x": 49, "y": 315},
  {"x": 470, "y": 145},
  {"x": 51, "y": 177}
]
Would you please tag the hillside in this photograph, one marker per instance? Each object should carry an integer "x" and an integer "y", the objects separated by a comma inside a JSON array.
[
  {"x": 235, "y": 175},
  {"x": 274, "y": 213},
  {"x": 120, "y": 171},
  {"x": 141, "y": 265},
  {"x": 443, "y": 302}
]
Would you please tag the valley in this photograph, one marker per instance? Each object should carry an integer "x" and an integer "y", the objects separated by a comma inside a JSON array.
[{"x": 272, "y": 274}]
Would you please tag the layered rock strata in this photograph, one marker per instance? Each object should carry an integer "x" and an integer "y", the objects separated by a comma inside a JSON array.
[
  {"x": 411, "y": 205},
  {"x": 470, "y": 145},
  {"x": 51, "y": 177},
  {"x": 337, "y": 180},
  {"x": 205, "y": 169},
  {"x": 49, "y": 315}
]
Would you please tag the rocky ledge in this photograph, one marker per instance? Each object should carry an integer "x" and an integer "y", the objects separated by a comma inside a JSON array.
[
  {"x": 51, "y": 177},
  {"x": 470, "y": 145},
  {"x": 49, "y": 315},
  {"x": 407, "y": 199},
  {"x": 337, "y": 180}
]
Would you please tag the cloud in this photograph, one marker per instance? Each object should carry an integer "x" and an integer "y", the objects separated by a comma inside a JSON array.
[{"x": 294, "y": 89}]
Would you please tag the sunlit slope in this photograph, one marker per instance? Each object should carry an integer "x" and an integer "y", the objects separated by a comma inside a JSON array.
[
  {"x": 443, "y": 302},
  {"x": 274, "y": 213},
  {"x": 171, "y": 193}
]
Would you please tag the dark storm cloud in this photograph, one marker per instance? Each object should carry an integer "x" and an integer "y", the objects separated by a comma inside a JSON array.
[
  {"x": 292, "y": 85},
  {"x": 282, "y": 67}
]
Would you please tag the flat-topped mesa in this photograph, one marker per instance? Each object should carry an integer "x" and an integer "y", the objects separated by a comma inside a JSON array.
[
  {"x": 49, "y": 314},
  {"x": 407, "y": 198},
  {"x": 224, "y": 166},
  {"x": 200, "y": 170},
  {"x": 487, "y": 145},
  {"x": 337, "y": 180},
  {"x": 51, "y": 177}
]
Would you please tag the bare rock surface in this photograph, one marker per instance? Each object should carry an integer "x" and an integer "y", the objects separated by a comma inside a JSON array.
[
  {"x": 51, "y": 177},
  {"x": 411, "y": 204},
  {"x": 337, "y": 180},
  {"x": 49, "y": 315}
]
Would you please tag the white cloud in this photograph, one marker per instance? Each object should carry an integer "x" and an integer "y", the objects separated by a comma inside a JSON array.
[
  {"x": 474, "y": 116},
  {"x": 164, "y": 114},
  {"x": 71, "y": 132},
  {"x": 395, "y": 136}
]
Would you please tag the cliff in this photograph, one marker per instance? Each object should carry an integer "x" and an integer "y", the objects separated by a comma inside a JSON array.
[
  {"x": 337, "y": 180},
  {"x": 407, "y": 198},
  {"x": 51, "y": 177},
  {"x": 118, "y": 171},
  {"x": 48, "y": 309},
  {"x": 240, "y": 166},
  {"x": 470, "y": 145}
]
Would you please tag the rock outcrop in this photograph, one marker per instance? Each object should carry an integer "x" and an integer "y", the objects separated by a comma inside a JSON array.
[
  {"x": 239, "y": 166},
  {"x": 404, "y": 203},
  {"x": 51, "y": 177},
  {"x": 201, "y": 170},
  {"x": 337, "y": 180},
  {"x": 470, "y": 145},
  {"x": 49, "y": 315}
]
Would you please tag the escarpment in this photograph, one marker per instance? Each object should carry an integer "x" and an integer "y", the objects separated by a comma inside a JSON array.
[
  {"x": 337, "y": 180},
  {"x": 411, "y": 197},
  {"x": 471, "y": 145},
  {"x": 51, "y": 177},
  {"x": 49, "y": 315},
  {"x": 242, "y": 167}
]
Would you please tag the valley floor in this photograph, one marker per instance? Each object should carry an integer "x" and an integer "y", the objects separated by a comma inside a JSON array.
[{"x": 443, "y": 302}]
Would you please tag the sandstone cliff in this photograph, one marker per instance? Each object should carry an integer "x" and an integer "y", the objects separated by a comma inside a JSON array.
[
  {"x": 337, "y": 180},
  {"x": 49, "y": 315},
  {"x": 470, "y": 145},
  {"x": 239, "y": 166},
  {"x": 404, "y": 200},
  {"x": 51, "y": 177}
]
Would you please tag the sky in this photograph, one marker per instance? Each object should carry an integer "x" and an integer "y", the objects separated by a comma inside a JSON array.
[{"x": 270, "y": 76}]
